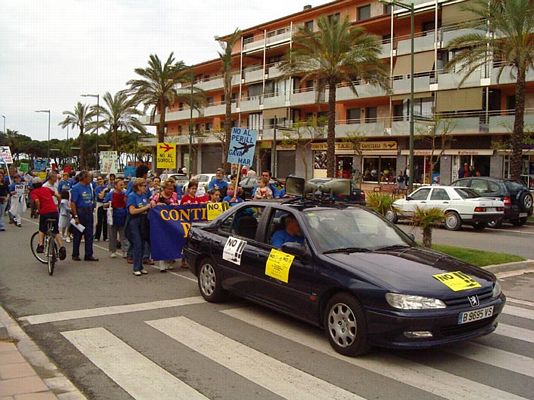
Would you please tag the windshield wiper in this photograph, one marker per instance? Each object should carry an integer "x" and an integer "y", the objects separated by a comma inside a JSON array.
[
  {"x": 393, "y": 247},
  {"x": 348, "y": 250}
]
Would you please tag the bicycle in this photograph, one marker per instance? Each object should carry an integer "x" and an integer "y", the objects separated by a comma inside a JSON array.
[{"x": 51, "y": 253}]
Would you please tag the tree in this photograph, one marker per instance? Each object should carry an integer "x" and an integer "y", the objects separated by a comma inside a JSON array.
[
  {"x": 426, "y": 219},
  {"x": 225, "y": 56},
  {"x": 158, "y": 88},
  {"x": 302, "y": 135},
  {"x": 511, "y": 43},
  {"x": 119, "y": 113},
  {"x": 381, "y": 202},
  {"x": 80, "y": 118},
  {"x": 338, "y": 52},
  {"x": 438, "y": 136}
]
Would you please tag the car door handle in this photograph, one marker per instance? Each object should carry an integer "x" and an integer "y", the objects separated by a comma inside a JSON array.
[
  {"x": 424, "y": 201},
  {"x": 445, "y": 202}
]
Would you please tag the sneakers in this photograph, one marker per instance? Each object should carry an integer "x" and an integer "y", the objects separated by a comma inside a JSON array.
[
  {"x": 62, "y": 253},
  {"x": 137, "y": 273},
  {"x": 67, "y": 239},
  {"x": 113, "y": 255},
  {"x": 40, "y": 248},
  {"x": 144, "y": 271}
]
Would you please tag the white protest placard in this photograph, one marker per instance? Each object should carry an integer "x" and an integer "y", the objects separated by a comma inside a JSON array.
[
  {"x": 5, "y": 155},
  {"x": 233, "y": 249},
  {"x": 108, "y": 162}
]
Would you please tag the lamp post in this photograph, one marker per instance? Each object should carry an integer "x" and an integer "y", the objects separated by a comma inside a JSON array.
[
  {"x": 191, "y": 127},
  {"x": 411, "y": 9},
  {"x": 48, "y": 143},
  {"x": 97, "y": 122},
  {"x": 3, "y": 116}
]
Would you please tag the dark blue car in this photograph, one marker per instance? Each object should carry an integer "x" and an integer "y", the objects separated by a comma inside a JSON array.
[{"x": 357, "y": 276}]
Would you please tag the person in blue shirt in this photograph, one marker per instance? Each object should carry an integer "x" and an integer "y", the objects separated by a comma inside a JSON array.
[
  {"x": 290, "y": 233},
  {"x": 218, "y": 181},
  {"x": 82, "y": 198},
  {"x": 65, "y": 183},
  {"x": 101, "y": 220},
  {"x": 140, "y": 172}
]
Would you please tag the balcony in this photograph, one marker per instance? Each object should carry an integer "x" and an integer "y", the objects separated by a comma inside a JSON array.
[
  {"x": 274, "y": 101},
  {"x": 211, "y": 84},
  {"x": 273, "y": 38},
  {"x": 363, "y": 90},
  {"x": 181, "y": 115},
  {"x": 449, "y": 33},
  {"x": 451, "y": 80},
  {"x": 505, "y": 123},
  {"x": 303, "y": 97},
  {"x": 274, "y": 71},
  {"x": 250, "y": 104},
  {"x": 253, "y": 74},
  {"x": 425, "y": 42},
  {"x": 363, "y": 129},
  {"x": 386, "y": 50},
  {"x": 421, "y": 84},
  {"x": 215, "y": 109}
]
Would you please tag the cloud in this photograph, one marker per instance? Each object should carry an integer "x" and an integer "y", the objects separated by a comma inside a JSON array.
[{"x": 53, "y": 51}]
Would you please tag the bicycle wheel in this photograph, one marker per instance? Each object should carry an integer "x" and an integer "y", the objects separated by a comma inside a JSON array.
[
  {"x": 51, "y": 255},
  {"x": 34, "y": 241}
]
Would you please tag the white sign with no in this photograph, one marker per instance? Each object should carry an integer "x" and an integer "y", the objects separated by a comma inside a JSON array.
[{"x": 233, "y": 249}]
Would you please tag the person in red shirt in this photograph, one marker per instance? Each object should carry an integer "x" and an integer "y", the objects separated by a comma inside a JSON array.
[
  {"x": 190, "y": 198},
  {"x": 44, "y": 202}
]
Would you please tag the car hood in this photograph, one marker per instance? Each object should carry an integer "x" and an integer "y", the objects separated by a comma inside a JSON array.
[{"x": 411, "y": 271}]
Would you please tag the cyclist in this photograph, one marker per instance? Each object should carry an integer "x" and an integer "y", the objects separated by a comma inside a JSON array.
[{"x": 44, "y": 202}]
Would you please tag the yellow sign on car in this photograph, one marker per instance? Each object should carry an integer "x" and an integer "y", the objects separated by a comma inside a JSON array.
[
  {"x": 166, "y": 156},
  {"x": 278, "y": 265},
  {"x": 457, "y": 281}
]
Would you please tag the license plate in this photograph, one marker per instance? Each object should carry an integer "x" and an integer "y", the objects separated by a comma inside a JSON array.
[
  {"x": 490, "y": 210},
  {"x": 475, "y": 315},
  {"x": 522, "y": 215}
]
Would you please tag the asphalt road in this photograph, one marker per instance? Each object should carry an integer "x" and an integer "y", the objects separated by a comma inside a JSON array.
[
  {"x": 117, "y": 336},
  {"x": 508, "y": 239}
]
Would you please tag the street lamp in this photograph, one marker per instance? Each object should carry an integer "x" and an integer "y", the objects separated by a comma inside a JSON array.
[
  {"x": 411, "y": 9},
  {"x": 48, "y": 144},
  {"x": 3, "y": 116},
  {"x": 97, "y": 122}
]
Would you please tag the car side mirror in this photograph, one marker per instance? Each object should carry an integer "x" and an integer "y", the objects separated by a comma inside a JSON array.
[
  {"x": 294, "y": 248},
  {"x": 408, "y": 198}
]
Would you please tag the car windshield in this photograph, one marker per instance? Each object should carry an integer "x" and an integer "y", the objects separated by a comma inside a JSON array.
[
  {"x": 352, "y": 230},
  {"x": 466, "y": 193}
]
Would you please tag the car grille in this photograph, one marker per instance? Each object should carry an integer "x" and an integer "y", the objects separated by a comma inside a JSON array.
[
  {"x": 453, "y": 330},
  {"x": 464, "y": 301}
]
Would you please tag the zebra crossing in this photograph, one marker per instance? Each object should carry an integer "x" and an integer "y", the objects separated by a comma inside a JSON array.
[{"x": 481, "y": 369}]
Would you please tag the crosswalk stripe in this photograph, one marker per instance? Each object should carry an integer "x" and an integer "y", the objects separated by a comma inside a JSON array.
[
  {"x": 496, "y": 357},
  {"x": 111, "y": 310},
  {"x": 133, "y": 372},
  {"x": 520, "y": 301},
  {"x": 426, "y": 378},
  {"x": 515, "y": 332},
  {"x": 282, "y": 379},
  {"x": 519, "y": 312}
]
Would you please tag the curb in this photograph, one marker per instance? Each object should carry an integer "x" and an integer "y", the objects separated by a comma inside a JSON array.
[
  {"x": 513, "y": 266},
  {"x": 57, "y": 383}
]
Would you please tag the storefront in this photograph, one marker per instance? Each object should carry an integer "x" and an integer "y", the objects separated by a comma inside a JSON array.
[
  {"x": 344, "y": 159},
  {"x": 527, "y": 174},
  {"x": 379, "y": 161}
]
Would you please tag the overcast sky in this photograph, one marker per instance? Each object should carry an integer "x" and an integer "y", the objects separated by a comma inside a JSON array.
[{"x": 51, "y": 51}]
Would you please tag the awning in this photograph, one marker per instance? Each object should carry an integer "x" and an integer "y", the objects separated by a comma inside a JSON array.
[
  {"x": 275, "y": 112},
  {"x": 459, "y": 100},
  {"x": 379, "y": 153},
  {"x": 455, "y": 14},
  {"x": 406, "y": 96},
  {"x": 423, "y": 62}
]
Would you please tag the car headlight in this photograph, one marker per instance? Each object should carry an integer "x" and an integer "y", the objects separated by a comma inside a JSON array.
[
  {"x": 411, "y": 302},
  {"x": 496, "y": 289}
]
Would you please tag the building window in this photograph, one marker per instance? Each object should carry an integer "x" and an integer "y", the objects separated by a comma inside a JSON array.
[
  {"x": 510, "y": 104},
  {"x": 386, "y": 38},
  {"x": 308, "y": 25},
  {"x": 248, "y": 38},
  {"x": 353, "y": 116},
  {"x": 209, "y": 100},
  {"x": 209, "y": 126},
  {"x": 387, "y": 9},
  {"x": 371, "y": 114},
  {"x": 179, "y": 129},
  {"x": 398, "y": 114},
  {"x": 180, "y": 106},
  {"x": 333, "y": 17},
  {"x": 364, "y": 12}
]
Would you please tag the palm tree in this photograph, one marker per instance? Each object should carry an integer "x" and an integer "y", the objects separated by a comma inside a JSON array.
[
  {"x": 426, "y": 219},
  {"x": 80, "y": 118},
  {"x": 512, "y": 43},
  {"x": 337, "y": 52},
  {"x": 158, "y": 87},
  {"x": 225, "y": 56},
  {"x": 119, "y": 114},
  {"x": 381, "y": 202}
]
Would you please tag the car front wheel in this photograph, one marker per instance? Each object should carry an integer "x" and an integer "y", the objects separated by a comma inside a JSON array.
[
  {"x": 453, "y": 222},
  {"x": 392, "y": 216},
  {"x": 345, "y": 325},
  {"x": 209, "y": 282}
]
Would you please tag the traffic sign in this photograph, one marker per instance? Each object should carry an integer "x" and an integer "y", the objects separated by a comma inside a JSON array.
[
  {"x": 5, "y": 155},
  {"x": 242, "y": 146},
  {"x": 166, "y": 156}
]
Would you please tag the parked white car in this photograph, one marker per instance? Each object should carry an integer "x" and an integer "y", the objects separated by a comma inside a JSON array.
[
  {"x": 203, "y": 181},
  {"x": 461, "y": 206}
]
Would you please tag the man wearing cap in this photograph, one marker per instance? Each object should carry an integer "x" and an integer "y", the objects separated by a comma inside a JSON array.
[
  {"x": 43, "y": 198},
  {"x": 81, "y": 197}
]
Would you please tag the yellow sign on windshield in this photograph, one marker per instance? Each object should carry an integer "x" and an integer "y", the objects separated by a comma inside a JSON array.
[
  {"x": 278, "y": 265},
  {"x": 457, "y": 281}
]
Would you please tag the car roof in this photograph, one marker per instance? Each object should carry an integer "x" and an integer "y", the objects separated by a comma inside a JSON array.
[{"x": 298, "y": 204}]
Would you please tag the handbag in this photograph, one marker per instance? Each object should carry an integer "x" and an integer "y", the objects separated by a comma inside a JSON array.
[{"x": 109, "y": 215}]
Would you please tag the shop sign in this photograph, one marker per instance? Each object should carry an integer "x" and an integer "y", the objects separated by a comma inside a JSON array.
[
  {"x": 286, "y": 147},
  {"x": 386, "y": 145},
  {"x": 339, "y": 146}
]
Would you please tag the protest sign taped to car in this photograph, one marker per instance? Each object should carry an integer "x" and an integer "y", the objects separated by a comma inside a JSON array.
[
  {"x": 278, "y": 265},
  {"x": 233, "y": 249},
  {"x": 216, "y": 209},
  {"x": 457, "y": 281}
]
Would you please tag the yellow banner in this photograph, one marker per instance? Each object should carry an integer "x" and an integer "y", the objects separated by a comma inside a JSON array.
[
  {"x": 166, "y": 155},
  {"x": 457, "y": 281},
  {"x": 215, "y": 209},
  {"x": 278, "y": 265}
]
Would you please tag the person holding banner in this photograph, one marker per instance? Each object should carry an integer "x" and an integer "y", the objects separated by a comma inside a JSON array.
[
  {"x": 167, "y": 196},
  {"x": 137, "y": 228},
  {"x": 18, "y": 200},
  {"x": 215, "y": 196},
  {"x": 190, "y": 197}
]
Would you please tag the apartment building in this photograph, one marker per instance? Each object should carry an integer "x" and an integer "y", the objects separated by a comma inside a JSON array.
[{"x": 479, "y": 115}]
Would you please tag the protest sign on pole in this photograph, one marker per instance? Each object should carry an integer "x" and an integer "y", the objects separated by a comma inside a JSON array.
[
  {"x": 166, "y": 156},
  {"x": 242, "y": 146},
  {"x": 108, "y": 162},
  {"x": 40, "y": 164},
  {"x": 24, "y": 167},
  {"x": 6, "y": 158}
]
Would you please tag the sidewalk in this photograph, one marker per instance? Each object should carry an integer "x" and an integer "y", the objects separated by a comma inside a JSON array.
[{"x": 19, "y": 359}]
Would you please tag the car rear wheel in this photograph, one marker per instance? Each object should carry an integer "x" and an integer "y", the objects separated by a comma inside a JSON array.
[
  {"x": 209, "y": 282},
  {"x": 495, "y": 223},
  {"x": 525, "y": 202},
  {"x": 519, "y": 222},
  {"x": 345, "y": 325},
  {"x": 392, "y": 216},
  {"x": 453, "y": 222}
]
